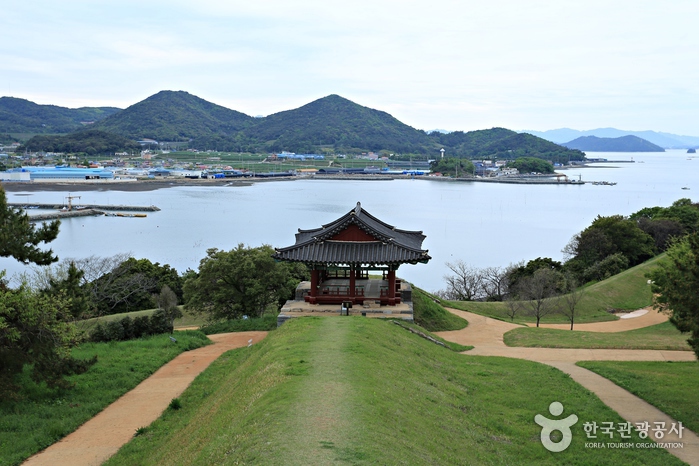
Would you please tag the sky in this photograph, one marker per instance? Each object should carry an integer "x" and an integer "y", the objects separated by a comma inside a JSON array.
[{"x": 440, "y": 64}]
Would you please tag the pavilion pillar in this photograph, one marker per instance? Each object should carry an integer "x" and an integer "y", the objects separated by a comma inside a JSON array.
[
  {"x": 391, "y": 287},
  {"x": 315, "y": 275},
  {"x": 352, "y": 282}
]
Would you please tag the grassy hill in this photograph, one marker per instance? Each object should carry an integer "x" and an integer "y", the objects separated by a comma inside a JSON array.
[
  {"x": 364, "y": 391},
  {"x": 174, "y": 116},
  {"x": 23, "y": 116},
  {"x": 626, "y": 291}
]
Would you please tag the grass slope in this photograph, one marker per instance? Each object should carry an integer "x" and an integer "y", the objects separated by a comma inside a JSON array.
[
  {"x": 188, "y": 319},
  {"x": 432, "y": 316},
  {"x": 44, "y": 416},
  {"x": 669, "y": 386},
  {"x": 658, "y": 337},
  {"x": 363, "y": 391},
  {"x": 626, "y": 291}
]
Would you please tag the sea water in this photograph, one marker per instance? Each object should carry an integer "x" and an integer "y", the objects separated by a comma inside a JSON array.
[{"x": 482, "y": 224}]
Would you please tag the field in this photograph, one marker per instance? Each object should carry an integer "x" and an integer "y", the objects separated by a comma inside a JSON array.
[
  {"x": 626, "y": 291},
  {"x": 42, "y": 416},
  {"x": 364, "y": 391},
  {"x": 669, "y": 386},
  {"x": 659, "y": 337}
]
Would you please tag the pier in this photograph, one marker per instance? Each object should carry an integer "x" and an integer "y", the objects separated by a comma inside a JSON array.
[
  {"x": 60, "y": 211},
  {"x": 128, "y": 208}
]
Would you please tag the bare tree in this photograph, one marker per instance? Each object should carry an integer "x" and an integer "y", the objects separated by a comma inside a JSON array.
[
  {"x": 466, "y": 284},
  {"x": 571, "y": 299},
  {"x": 514, "y": 307},
  {"x": 539, "y": 290},
  {"x": 494, "y": 283}
]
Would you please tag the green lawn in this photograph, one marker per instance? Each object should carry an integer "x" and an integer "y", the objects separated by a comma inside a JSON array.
[
  {"x": 44, "y": 416},
  {"x": 659, "y": 337},
  {"x": 669, "y": 386},
  {"x": 364, "y": 391},
  {"x": 626, "y": 291}
]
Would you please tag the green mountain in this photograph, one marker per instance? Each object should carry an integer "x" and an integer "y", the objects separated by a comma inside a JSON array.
[
  {"x": 502, "y": 143},
  {"x": 90, "y": 141},
  {"x": 620, "y": 144},
  {"x": 331, "y": 122},
  {"x": 336, "y": 122},
  {"x": 23, "y": 116},
  {"x": 174, "y": 116}
]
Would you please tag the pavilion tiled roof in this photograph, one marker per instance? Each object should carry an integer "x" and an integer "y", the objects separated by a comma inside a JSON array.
[{"x": 391, "y": 245}]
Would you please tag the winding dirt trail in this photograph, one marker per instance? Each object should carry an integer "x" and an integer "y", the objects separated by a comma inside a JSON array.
[
  {"x": 486, "y": 335},
  {"x": 101, "y": 437}
]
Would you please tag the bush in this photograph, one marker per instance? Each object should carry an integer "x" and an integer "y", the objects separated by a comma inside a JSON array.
[
  {"x": 129, "y": 329},
  {"x": 607, "y": 267}
]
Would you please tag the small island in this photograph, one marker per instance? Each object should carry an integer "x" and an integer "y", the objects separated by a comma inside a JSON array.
[
  {"x": 621, "y": 144},
  {"x": 691, "y": 151}
]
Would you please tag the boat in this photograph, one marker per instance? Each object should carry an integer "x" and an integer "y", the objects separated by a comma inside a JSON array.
[{"x": 684, "y": 187}]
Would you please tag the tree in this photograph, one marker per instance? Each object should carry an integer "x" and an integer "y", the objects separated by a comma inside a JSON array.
[
  {"x": 531, "y": 165},
  {"x": 514, "y": 306},
  {"x": 453, "y": 166},
  {"x": 71, "y": 287},
  {"x": 167, "y": 302},
  {"x": 20, "y": 239},
  {"x": 675, "y": 283},
  {"x": 495, "y": 283},
  {"x": 466, "y": 283},
  {"x": 607, "y": 236},
  {"x": 242, "y": 281},
  {"x": 571, "y": 299},
  {"x": 34, "y": 327},
  {"x": 538, "y": 290}
]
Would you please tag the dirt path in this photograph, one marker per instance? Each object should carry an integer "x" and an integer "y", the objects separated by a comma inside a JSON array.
[
  {"x": 486, "y": 335},
  {"x": 101, "y": 437},
  {"x": 652, "y": 317}
]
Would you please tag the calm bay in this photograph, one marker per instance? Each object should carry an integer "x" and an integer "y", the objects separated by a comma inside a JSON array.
[{"x": 483, "y": 224}]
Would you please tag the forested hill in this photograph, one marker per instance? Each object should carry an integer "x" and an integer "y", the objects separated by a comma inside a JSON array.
[
  {"x": 174, "y": 116},
  {"x": 336, "y": 122},
  {"x": 23, "y": 116},
  {"x": 621, "y": 144},
  {"x": 331, "y": 123},
  {"x": 502, "y": 143}
]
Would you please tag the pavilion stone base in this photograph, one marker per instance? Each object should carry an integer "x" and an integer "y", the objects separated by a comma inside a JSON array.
[
  {"x": 370, "y": 308},
  {"x": 406, "y": 292}
]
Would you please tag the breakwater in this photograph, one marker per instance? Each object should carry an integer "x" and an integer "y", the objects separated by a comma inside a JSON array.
[{"x": 128, "y": 208}]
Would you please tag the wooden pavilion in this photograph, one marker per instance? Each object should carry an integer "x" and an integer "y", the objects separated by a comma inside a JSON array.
[{"x": 341, "y": 254}]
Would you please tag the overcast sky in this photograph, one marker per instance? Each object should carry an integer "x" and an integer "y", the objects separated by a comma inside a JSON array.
[{"x": 441, "y": 64}]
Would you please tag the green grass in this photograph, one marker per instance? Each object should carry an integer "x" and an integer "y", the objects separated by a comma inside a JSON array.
[
  {"x": 626, "y": 291},
  {"x": 364, "y": 391},
  {"x": 449, "y": 344},
  {"x": 267, "y": 322},
  {"x": 669, "y": 386},
  {"x": 432, "y": 316},
  {"x": 44, "y": 416},
  {"x": 657, "y": 337}
]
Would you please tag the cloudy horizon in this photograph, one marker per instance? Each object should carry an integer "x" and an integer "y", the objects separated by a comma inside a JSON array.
[{"x": 445, "y": 65}]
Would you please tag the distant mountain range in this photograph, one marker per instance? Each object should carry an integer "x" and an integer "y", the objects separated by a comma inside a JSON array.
[
  {"x": 330, "y": 123},
  {"x": 621, "y": 144},
  {"x": 664, "y": 140}
]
